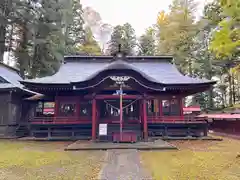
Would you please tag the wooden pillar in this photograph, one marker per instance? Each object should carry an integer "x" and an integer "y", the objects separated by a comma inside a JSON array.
[
  {"x": 145, "y": 128},
  {"x": 77, "y": 114},
  {"x": 181, "y": 106},
  {"x": 56, "y": 107},
  {"x": 94, "y": 119},
  {"x": 140, "y": 112},
  {"x": 160, "y": 108}
]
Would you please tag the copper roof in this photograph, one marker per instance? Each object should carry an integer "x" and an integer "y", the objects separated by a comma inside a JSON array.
[{"x": 157, "y": 69}]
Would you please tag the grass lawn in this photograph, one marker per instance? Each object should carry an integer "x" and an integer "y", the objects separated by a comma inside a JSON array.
[
  {"x": 46, "y": 161},
  {"x": 196, "y": 160}
]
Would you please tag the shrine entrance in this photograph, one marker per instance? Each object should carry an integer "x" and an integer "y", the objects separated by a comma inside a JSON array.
[
  {"x": 120, "y": 129},
  {"x": 109, "y": 111}
]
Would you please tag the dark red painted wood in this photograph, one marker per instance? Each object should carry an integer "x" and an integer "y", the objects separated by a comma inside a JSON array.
[
  {"x": 94, "y": 119},
  {"x": 77, "y": 114},
  {"x": 60, "y": 120},
  {"x": 56, "y": 106},
  {"x": 181, "y": 106},
  {"x": 221, "y": 116},
  {"x": 160, "y": 107},
  {"x": 145, "y": 130},
  {"x": 140, "y": 111},
  {"x": 125, "y": 137},
  {"x": 160, "y": 119},
  {"x": 117, "y": 96}
]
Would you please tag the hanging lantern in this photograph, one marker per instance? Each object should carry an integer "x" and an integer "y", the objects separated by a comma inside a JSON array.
[{"x": 131, "y": 108}]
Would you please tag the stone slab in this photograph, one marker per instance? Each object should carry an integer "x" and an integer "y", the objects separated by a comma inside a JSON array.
[{"x": 155, "y": 145}]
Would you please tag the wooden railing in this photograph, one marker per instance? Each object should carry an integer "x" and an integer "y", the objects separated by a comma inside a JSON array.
[
  {"x": 177, "y": 119},
  {"x": 88, "y": 120},
  {"x": 60, "y": 120}
]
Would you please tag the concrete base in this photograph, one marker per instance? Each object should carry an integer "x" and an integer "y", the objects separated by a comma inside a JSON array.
[
  {"x": 206, "y": 138},
  {"x": 46, "y": 139},
  {"x": 87, "y": 145}
]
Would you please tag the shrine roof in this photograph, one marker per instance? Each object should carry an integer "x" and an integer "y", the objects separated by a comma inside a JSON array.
[
  {"x": 157, "y": 69},
  {"x": 9, "y": 78}
]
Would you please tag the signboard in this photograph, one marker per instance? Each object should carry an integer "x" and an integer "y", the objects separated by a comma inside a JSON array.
[
  {"x": 48, "y": 107},
  {"x": 102, "y": 129}
]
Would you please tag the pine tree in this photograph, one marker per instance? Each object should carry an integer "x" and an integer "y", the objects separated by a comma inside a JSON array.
[
  {"x": 147, "y": 43},
  {"x": 124, "y": 35},
  {"x": 72, "y": 22},
  {"x": 5, "y": 10},
  {"x": 176, "y": 31}
]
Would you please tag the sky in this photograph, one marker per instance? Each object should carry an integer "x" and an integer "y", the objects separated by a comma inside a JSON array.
[{"x": 139, "y": 13}]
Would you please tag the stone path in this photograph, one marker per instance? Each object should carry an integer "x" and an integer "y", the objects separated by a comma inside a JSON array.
[{"x": 123, "y": 164}]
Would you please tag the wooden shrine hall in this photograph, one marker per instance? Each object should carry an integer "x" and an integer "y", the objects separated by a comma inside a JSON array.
[{"x": 114, "y": 98}]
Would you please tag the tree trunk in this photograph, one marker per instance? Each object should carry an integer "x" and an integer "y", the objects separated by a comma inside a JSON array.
[
  {"x": 233, "y": 89},
  {"x": 230, "y": 89},
  {"x": 223, "y": 99},
  {"x": 210, "y": 98},
  {"x": 238, "y": 88},
  {"x": 6, "y": 6},
  {"x": 2, "y": 41}
]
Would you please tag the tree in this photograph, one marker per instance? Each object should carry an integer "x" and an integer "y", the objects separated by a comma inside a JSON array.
[
  {"x": 175, "y": 32},
  {"x": 203, "y": 59},
  {"x": 147, "y": 43},
  {"x": 226, "y": 38},
  {"x": 45, "y": 31},
  {"x": 47, "y": 35},
  {"x": 5, "y": 10},
  {"x": 72, "y": 22},
  {"x": 124, "y": 35},
  {"x": 90, "y": 45}
]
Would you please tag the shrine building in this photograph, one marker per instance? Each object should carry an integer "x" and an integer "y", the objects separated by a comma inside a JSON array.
[{"x": 114, "y": 98}]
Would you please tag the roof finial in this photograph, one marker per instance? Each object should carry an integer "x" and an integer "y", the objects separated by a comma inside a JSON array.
[{"x": 119, "y": 48}]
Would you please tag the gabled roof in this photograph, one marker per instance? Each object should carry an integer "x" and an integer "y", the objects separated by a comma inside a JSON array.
[
  {"x": 12, "y": 78},
  {"x": 10, "y": 75},
  {"x": 157, "y": 69}
]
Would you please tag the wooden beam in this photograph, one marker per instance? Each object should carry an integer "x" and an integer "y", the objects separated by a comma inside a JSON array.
[
  {"x": 94, "y": 119},
  {"x": 117, "y": 96}
]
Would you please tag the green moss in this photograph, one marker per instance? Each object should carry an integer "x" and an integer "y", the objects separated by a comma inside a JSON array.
[
  {"x": 213, "y": 162},
  {"x": 46, "y": 160}
]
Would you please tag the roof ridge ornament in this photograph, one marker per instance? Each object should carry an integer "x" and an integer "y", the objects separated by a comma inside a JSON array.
[{"x": 119, "y": 54}]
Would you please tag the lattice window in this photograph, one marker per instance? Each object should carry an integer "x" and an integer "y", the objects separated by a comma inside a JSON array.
[
  {"x": 171, "y": 107},
  {"x": 153, "y": 107},
  {"x": 86, "y": 108},
  {"x": 45, "y": 109},
  {"x": 67, "y": 109}
]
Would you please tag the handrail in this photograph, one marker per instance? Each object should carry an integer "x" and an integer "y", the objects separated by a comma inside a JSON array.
[
  {"x": 56, "y": 120},
  {"x": 173, "y": 119},
  {"x": 150, "y": 119}
]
